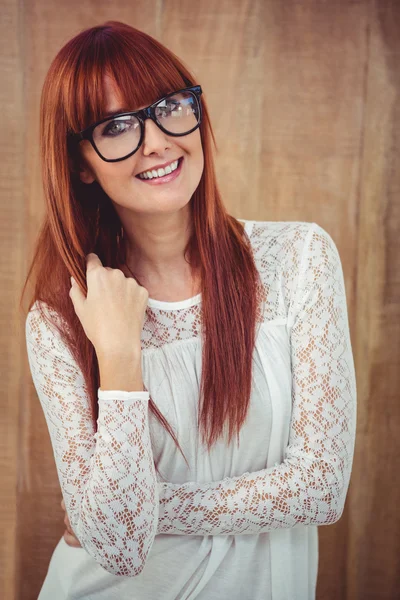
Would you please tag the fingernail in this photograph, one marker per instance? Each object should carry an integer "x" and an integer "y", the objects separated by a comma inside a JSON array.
[{"x": 72, "y": 280}]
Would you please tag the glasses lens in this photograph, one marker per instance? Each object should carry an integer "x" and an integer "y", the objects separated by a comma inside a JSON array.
[
  {"x": 178, "y": 113},
  {"x": 117, "y": 137}
]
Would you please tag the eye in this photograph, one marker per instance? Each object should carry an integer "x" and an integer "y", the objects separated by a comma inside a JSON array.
[
  {"x": 167, "y": 107},
  {"x": 115, "y": 127}
]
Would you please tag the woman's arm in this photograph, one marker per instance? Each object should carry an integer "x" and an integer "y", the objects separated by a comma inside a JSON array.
[
  {"x": 310, "y": 486},
  {"x": 108, "y": 480}
]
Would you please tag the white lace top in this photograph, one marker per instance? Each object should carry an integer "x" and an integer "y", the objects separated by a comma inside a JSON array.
[{"x": 242, "y": 522}]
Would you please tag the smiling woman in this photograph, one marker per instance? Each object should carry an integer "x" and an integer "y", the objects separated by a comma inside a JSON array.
[
  {"x": 110, "y": 149},
  {"x": 251, "y": 379}
]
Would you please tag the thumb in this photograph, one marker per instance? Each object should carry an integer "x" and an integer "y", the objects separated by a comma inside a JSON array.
[{"x": 76, "y": 296}]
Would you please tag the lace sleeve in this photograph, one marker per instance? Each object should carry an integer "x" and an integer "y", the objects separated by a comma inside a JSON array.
[
  {"x": 310, "y": 486},
  {"x": 107, "y": 478}
]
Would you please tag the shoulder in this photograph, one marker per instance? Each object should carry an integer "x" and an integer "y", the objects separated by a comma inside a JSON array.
[
  {"x": 40, "y": 316},
  {"x": 42, "y": 327},
  {"x": 284, "y": 253},
  {"x": 277, "y": 243},
  {"x": 285, "y": 241}
]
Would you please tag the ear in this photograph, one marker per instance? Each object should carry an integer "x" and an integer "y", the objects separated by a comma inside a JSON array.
[
  {"x": 81, "y": 169},
  {"x": 86, "y": 174}
]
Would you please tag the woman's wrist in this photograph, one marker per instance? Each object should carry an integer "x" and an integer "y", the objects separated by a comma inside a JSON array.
[{"x": 121, "y": 372}]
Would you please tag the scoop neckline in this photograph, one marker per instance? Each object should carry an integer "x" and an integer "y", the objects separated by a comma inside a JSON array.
[
  {"x": 174, "y": 305},
  {"x": 194, "y": 300}
]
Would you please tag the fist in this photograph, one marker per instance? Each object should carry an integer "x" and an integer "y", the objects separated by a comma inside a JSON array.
[{"x": 112, "y": 313}]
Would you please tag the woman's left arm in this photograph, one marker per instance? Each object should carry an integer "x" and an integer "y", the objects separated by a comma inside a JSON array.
[{"x": 310, "y": 486}]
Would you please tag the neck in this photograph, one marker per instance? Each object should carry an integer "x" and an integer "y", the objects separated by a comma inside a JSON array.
[{"x": 155, "y": 244}]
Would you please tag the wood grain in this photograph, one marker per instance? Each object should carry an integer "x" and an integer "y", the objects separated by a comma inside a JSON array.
[{"x": 303, "y": 97}]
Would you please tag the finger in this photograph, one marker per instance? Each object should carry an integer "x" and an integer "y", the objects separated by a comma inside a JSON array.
[
  {"x": 71, "y": 540},
  {"x": 68, "y": 528},
  {"x": 92, "y": 261},
  {"x": 67, "y": 523},
  {"x": 63, "y": 504},
  {"x": 76, "y": 295}
]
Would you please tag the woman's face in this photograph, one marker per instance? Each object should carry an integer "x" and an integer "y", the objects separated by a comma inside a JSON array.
[{"x": 119, "y": 180}]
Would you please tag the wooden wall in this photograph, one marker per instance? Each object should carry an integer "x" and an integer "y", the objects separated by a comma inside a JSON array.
[{"x": 304, "y": 99}]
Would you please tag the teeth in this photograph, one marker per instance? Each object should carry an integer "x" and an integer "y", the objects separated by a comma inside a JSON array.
[{"x": 160, "y": 172}]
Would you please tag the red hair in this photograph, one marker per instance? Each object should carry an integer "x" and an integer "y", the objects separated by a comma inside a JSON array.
[{"x": 80, "y": 219}]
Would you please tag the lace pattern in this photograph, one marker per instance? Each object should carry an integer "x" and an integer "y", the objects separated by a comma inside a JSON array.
[
  {"x": 107, "y": 478},
  {"x": 108, "y": 481},
  {"x": 310, "y": 486}
]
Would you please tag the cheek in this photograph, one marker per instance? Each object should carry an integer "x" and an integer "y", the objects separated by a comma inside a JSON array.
[
  {"x": 112, "y": 175},
  {"x": 197, "y": 167},
  {"x": 200, "y": 158},
  {"x": 196, "y": 149},
  {"x": 192, "y": 144}
]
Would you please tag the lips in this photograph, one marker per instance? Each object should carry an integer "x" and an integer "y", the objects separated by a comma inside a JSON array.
[
  {"x": 156, "y": 167},
  {"x": 164, "y": 179}
]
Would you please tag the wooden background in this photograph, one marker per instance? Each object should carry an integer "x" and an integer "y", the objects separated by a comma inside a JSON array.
[{"x": 304, "y": 99}]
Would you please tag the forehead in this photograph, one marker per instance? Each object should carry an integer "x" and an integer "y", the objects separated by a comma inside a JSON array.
[{"x": 114, "y": 99}]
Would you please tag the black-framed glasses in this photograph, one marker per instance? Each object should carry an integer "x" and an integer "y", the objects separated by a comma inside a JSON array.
[{"x": 118, "y": 137}]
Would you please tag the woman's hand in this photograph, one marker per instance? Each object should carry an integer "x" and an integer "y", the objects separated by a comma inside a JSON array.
[
  {"x": 69, "y": 536},
  {"x": 112, "y": 313}
]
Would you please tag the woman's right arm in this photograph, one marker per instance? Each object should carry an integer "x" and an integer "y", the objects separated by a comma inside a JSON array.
[{"x": 108, "y": 479}]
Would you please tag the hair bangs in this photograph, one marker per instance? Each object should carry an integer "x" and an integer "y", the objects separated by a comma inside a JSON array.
[{"x": 141, "y": 71}]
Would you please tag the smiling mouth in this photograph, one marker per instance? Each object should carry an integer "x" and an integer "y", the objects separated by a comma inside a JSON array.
[{"x": 157, "y": 176}]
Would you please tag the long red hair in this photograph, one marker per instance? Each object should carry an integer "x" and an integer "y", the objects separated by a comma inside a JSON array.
[{"x": 80, "y": 219}]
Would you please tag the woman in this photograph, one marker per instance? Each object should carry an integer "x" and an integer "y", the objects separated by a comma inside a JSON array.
[{"x": 250, "y": 330}]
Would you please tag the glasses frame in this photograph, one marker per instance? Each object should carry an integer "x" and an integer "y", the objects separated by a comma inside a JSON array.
[{"x": 145, "y": 113}]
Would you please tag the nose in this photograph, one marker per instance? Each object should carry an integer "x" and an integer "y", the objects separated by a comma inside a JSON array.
[{"x": 155, "y": 140}]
